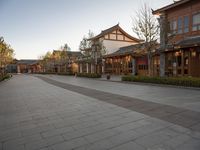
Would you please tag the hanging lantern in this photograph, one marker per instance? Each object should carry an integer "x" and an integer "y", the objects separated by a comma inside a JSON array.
[
  {"x": 194, "y": 53},
  {"x": 176, "y": 54}
]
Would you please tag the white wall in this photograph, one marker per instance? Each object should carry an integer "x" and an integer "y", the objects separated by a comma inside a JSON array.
[{"x": 113, "y": 46}]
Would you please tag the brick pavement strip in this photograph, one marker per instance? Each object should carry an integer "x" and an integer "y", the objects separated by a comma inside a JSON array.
[{"x": 180, "y": 116}]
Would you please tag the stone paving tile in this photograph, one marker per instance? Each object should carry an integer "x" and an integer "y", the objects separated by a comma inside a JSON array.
[
  {"x": 195, "y": 127},
  {"x": 99, "y": 145},
  {"x": 54, "y": 132},
  {"x": 54, "y": 140},
  {"x": 37, "y": 130},
  {"x": 178, "y": 140},
  {"x": 10, "y": 135},
  {"x": 36, "y": 145},
  {"x": 69, "y": 145},
  {"x": 161, "y": 147},
  {"x": 21, "y": 141},
  {"x": 124, "y": 137},
  {"x": 182, "y": 121},
  {"x": 129, "y": 146},
  {"x": 100, "y": 135},
  {"x": 19, "y": 147},
  {"x": 190, "y": 145},
  {"x": 152, "y": 139}
]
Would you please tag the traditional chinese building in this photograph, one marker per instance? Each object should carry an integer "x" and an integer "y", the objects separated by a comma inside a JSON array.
[
  {"x": 127, "y": 60},
  {"x": 180, "y": 38},
  {"x": 107, "y": 42},
  {"x": 64, "y": 61},
  {"x": 131, "y": 60},
  {"x": 28, "y": 66}
]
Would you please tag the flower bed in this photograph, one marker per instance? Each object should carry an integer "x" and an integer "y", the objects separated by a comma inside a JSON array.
[
  {"x": 89, "y": 75},
  {"x": 178, "y": 81}
]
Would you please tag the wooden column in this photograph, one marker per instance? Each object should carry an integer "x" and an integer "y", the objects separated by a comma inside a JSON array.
[
  {"x": 81, "y": 68},
  {"x": 133, "y": 66},
  {"x": 189, "y": 63},
  {"x": 182, "y": 63},
  {"x": 112, "y": 66},
  {"x": 87, "y": 68}
]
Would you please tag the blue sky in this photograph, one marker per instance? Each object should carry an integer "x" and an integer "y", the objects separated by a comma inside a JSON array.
[{"x": 33, "y": 27}]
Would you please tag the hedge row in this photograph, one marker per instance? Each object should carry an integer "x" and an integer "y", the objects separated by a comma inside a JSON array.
[
  {"x": 7, "y": 76},
  {"x": 89, "y": 75},
  {"x": 178, "y": 81}
]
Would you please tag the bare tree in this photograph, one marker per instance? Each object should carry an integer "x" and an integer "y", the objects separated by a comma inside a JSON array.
[
  {"x": 145, "y": 25},
  {"x": 85, "y": 43}
]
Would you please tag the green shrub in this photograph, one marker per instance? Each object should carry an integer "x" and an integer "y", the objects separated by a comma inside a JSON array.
[
  {"x": 89, "y": 75},
  {"x": 178, "y": 81},
  {"x": 7, "y": 76}
]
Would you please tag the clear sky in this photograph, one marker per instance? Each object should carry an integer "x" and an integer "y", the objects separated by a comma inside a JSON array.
[{"x": 33, "y": 27}]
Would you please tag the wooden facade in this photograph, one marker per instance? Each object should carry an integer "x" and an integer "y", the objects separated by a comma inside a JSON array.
[
  {"x": 155, "y": 65},
  {"x": 127, "y": 60},
  {"x": 118, "y": 65},
  {"x": 181, "y": 43},
  {"x": 183, "y": 62}
]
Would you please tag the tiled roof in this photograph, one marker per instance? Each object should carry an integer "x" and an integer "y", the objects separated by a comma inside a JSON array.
[
  {"x": 195, "y": 40},
  {"x": 109, "y": 30},
  {"x": 185, "y": 43},
  {"x": 27, "y": 61},
  {"x": 128, "y": 50},
  {"x": 71, "y": 53},
  {"x": 74, "y": 53}
]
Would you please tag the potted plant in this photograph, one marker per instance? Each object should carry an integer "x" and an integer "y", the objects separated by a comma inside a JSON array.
[{"x": 108, "y": 76}]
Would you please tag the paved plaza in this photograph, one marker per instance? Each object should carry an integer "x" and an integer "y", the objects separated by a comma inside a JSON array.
[{"x": 49, "y": 112}]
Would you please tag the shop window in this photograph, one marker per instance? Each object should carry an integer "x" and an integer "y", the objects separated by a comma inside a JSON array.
[{"x": 196, "y": 22}]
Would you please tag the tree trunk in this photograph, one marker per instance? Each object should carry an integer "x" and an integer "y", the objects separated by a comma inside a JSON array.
[{"x": 149, "y": 63}]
